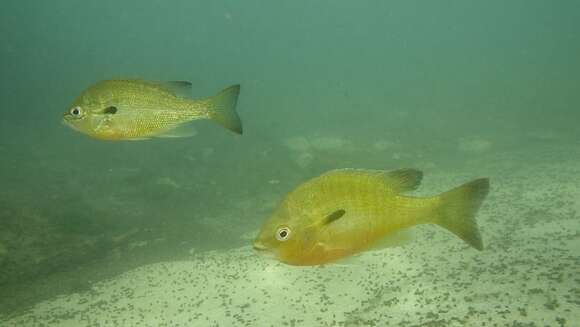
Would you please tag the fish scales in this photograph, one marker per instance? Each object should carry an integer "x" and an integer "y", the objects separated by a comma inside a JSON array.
[
  {"x": 136, "y": 109},
  {"x": 346, "y": 211}
]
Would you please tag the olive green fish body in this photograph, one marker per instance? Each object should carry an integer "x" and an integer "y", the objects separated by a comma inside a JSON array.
[
  {"x": 372, "y": 209},
  {"x": 347, "y": 211},
  {"x": 134, "y": 109}
]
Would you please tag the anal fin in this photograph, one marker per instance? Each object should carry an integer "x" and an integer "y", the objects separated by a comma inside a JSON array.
[
  {"x": 178, "y": 131},
  {"x": 394, "y": 239}
]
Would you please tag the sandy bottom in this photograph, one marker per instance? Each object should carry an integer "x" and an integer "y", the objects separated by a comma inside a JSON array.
[{"x": 526, "y": 276}]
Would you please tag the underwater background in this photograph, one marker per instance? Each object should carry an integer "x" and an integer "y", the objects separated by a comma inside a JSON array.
[{"x": 458, "y": 89}]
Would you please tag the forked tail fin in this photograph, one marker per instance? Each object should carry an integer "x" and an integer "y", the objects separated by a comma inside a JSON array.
[
  {"x": 223, "y": 109},
  {"x": 457, "y": 210}
]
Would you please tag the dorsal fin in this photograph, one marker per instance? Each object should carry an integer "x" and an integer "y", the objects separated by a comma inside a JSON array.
[
  {"x": 400, "y": 180},
  {"x": 403, "y": 180},
  {"x": 179, "y": 88}
]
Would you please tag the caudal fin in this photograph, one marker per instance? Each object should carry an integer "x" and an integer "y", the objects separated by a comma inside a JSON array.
[
  {"x": 457, "y": 210},
  {"x": 223, "y": 109}
]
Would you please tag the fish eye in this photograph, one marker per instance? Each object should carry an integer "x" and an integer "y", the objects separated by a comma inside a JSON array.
[
  {"x": 283, "y": 233},
  {"x": 76, "y": 111}
]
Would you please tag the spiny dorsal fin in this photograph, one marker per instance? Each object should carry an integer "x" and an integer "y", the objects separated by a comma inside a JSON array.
[
  {"x": 179, "y": 88},
  {"x": 403, "y": 180},
  {"x": 400, "y": 180}
]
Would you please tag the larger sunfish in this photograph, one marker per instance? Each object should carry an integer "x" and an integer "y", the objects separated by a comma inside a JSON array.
[
  {"x": 137, "y": 109},
  {"x": 346, "y": 211}
]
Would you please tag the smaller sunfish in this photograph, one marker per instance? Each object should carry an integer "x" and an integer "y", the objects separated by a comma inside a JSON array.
[
  {"x": 347, "y": 211},
  {"x": 137, "y": 110}
]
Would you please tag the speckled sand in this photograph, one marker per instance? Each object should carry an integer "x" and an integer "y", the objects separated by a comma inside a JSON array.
[{"x": 528, "y": 275}]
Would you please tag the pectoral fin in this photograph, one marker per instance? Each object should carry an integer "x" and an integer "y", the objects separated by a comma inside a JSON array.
[
  {"x": 110, "y": 110},
  {"x": 325, "y": 221},
  {"x": 333, "y": 216}
]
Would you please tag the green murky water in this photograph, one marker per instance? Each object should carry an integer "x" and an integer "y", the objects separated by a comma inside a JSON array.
[{"x": 457, "y": 89}]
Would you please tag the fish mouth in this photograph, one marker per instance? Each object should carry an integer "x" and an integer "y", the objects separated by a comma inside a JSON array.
[
  {"x": 67, "y": 121},
  {"x": 259, "y": 246},
  {"x": 263, "y": 251}
]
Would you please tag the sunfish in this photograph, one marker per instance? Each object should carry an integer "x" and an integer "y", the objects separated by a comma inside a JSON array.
[
  {"x": 137, "y": 110},
  {"x": 347, "y": 211}
]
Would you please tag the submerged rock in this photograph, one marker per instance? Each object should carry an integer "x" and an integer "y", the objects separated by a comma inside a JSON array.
[
  {"x": 304, "y": 160},
  {"x": 297, "y": 143},
  {"x": 317, "y": 143},
  {"x": 306, "y": 150},
  {"x": 329, "y": 143}
]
